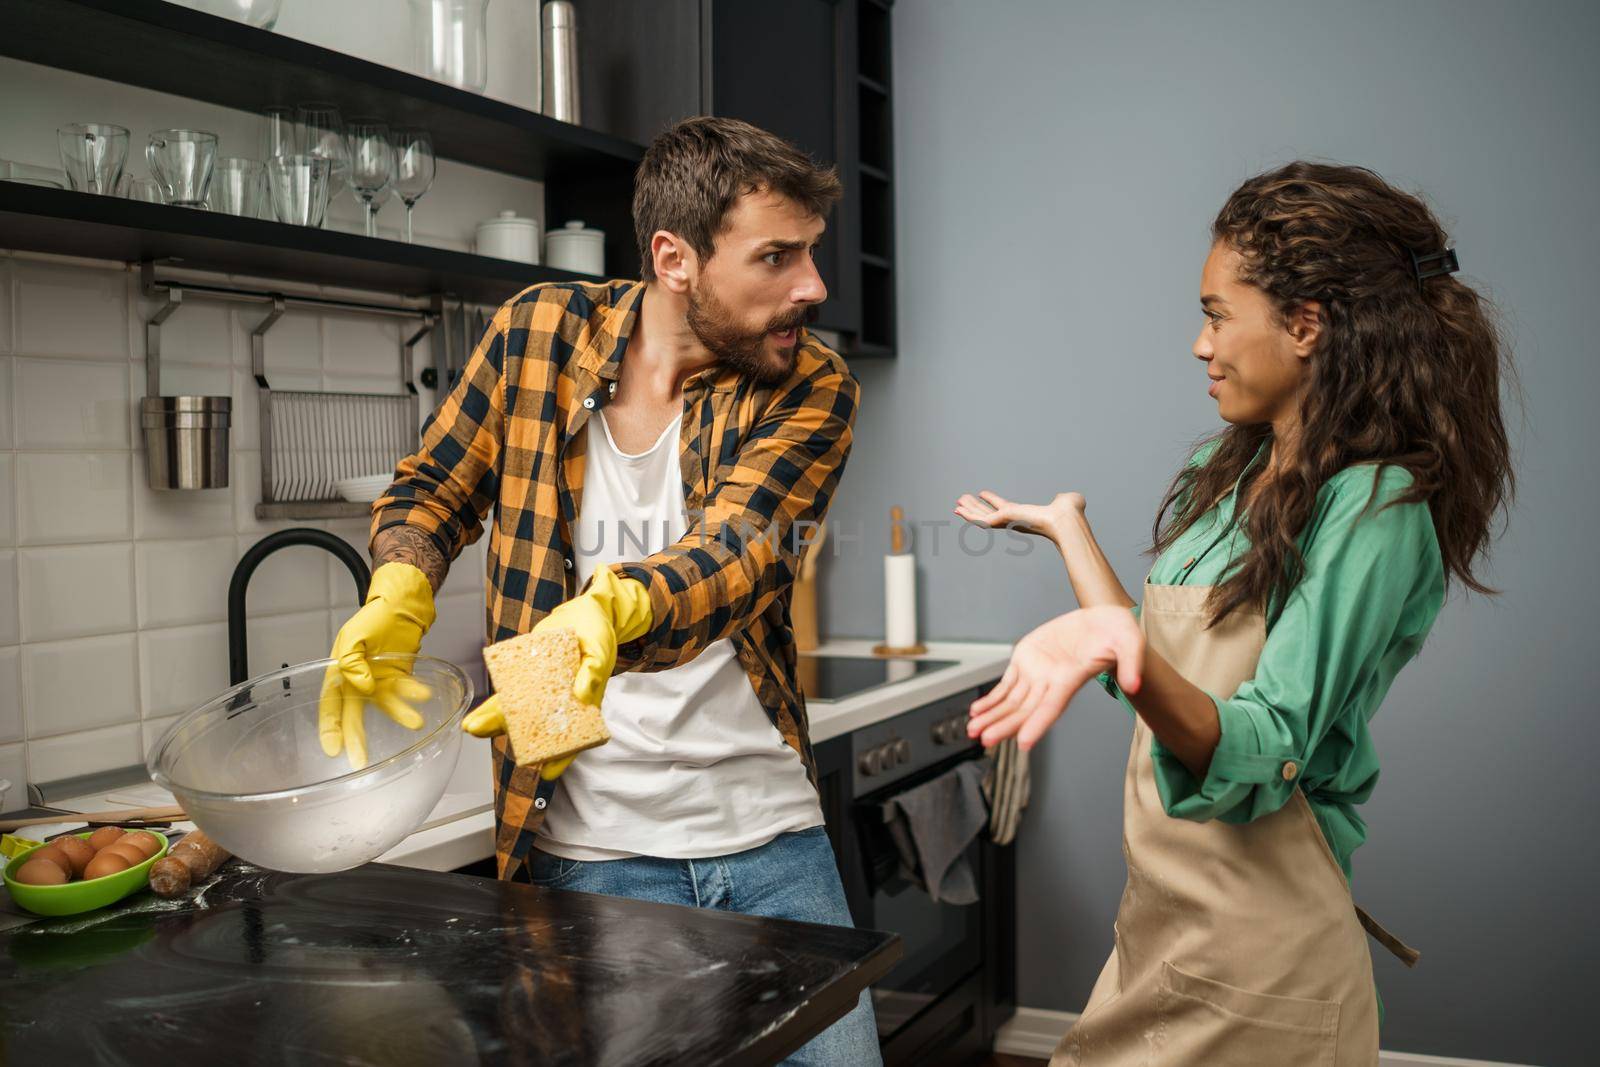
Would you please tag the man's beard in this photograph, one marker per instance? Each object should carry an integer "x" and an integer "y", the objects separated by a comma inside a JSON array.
[{"x": 743, "y": 350}]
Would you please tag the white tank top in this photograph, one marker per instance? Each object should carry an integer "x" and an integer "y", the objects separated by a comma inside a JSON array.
[{"x": 694, "y": 767}]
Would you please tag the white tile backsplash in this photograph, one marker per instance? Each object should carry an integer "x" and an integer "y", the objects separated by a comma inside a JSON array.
[
  {"x": 341, "y": 584},
  {"x": 291, "y": 579},
  {"x": 8, "y": 497},
  {"x": 159, "y": 513},
  {"x": 6, "y": 420},
  {"x": 278, "y": 639},
  {"x": 183, "y": 379},
  {"x": 5, "y": 310},
  {"x": 457, "y": 631},
  {"x": 10, "y": 694},
  {"x": 71, "y": 404},
  {"x": 70, "y": 686},
  {"x": 201, "y": 331},
  {"x": 184, "y": 582},
  {"x": 293, "y": 343},
  {"x": 182, "y": 667},
  {"x": 67, "y": 497},
  {"x": 10, "y": 610},
  {"x": 14, "y": 769},
  {"x": 69, "y": 310},
  {"x": 51, "y": 759},
  {"x": 112, "y": 595},
  {"x": 360, "y": 346},
  {"x": 152, "y": 729},
  {"x": 75, "y": 591}
]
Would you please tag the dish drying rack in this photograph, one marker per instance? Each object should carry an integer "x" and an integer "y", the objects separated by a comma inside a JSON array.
[{"x": 312, "y": 439}]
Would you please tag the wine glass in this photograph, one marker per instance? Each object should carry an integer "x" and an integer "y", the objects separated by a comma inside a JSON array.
[
  {"x": 322, "y": 133},
  {"x": 414, "y": 168},
  {"x": 371, "y": 165}
]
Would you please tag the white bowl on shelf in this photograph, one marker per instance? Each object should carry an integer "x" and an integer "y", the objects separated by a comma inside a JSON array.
[{"x": 365, "y": 489}]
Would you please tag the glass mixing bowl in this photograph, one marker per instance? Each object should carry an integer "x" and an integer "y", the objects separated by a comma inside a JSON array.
[{"x": 249, "y": 769}]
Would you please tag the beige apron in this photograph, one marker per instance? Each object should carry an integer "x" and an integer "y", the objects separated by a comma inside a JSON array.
[{"x": 1237, "y": 945}]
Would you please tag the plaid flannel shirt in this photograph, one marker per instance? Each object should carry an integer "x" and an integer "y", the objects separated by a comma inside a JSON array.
[{"x": 759, "y": 464}]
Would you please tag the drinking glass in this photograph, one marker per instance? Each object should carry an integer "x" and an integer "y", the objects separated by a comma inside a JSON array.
[
  {"x": 371, "y": 165},
  {"x": 145, "y": 189},
  {"x": 182, "y": 160},
  {"x": 322, "y": 133},
  {"x": 414, "y": 168},
  {"x": 93, "y": 155},
  {"x": 451, "y": 42},
  {"x": 298, "y": 188},
  {"x": 236, "y": 186}
]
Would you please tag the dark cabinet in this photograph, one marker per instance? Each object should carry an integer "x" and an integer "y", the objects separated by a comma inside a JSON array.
[
  {"x": 775, "y": 64},
  {"x": 816, "y": 72}
]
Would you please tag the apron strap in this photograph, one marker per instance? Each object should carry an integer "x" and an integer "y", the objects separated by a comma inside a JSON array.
[{"x": 1402, "y": 951}]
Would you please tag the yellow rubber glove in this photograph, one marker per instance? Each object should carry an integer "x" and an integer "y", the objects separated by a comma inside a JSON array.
[
  {"x": 398, "y": 611},
  {"x": 612, "y": 611}
]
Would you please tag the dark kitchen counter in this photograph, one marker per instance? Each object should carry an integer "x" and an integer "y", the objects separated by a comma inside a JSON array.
[{"x": 385, "y": 965}]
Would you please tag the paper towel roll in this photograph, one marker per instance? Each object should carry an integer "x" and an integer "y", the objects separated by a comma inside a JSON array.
[{"x": 900, "y": 600}]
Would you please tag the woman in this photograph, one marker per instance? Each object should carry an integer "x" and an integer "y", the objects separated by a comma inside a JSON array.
[{"x": 1301, "y": 557}]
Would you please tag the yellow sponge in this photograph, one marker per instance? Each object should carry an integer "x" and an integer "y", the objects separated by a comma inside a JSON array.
[{"x": 533, "y": 676}]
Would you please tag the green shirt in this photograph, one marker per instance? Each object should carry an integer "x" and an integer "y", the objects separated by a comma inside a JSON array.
[{"x": 1373, "y": 584}]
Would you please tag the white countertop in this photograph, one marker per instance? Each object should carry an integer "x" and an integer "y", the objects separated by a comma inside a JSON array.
[{"x": 460, "y": 829}]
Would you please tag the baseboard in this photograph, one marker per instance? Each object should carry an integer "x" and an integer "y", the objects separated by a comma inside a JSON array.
[{"x": 1037, "y": 1032}]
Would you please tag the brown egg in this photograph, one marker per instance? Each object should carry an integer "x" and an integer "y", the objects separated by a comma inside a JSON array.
[
  {"x": 143, "y": 840},
  {"x": 77, "y": 851},
  {"x": 52, "y": 854},
  {"x": 131, "y": 853},
  {"x": 104, "y": 836},
  {"x": 40, "y": 872},
  {"x": 105, "y": 862}
]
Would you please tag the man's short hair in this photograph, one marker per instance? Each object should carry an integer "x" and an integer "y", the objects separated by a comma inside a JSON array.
[{"x": 692, "y": 175}]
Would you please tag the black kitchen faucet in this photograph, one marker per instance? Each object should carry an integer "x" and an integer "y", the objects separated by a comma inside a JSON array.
[{"x": 238, "y": 649}]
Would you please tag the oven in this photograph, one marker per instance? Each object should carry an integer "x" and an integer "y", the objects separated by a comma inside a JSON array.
[{"x": 956, "y": 983}]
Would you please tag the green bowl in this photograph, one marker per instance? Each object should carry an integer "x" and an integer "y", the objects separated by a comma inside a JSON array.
[{"x": 72, "y": 898}]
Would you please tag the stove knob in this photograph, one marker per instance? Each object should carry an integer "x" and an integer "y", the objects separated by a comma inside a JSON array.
[
  {"x": 868, "y": 764},
  {"x": 902, "y": 751},
  {"x": 937, "y": 732}
]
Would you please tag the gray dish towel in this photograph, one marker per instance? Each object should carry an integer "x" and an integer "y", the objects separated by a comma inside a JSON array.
[{"x": 933, "y": 824}]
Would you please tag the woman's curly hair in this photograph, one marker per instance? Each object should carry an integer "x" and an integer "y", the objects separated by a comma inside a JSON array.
[{"x": 1405, "y": 373}]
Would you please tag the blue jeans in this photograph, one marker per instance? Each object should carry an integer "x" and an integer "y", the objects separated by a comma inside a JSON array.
[{"x": 793, "y": 876}]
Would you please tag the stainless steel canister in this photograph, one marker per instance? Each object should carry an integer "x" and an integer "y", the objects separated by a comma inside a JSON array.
[
  {"x": 559, "y": 35},
  {"x": 186, "y": 441}
]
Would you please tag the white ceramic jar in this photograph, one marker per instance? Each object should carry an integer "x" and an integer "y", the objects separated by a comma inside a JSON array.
[
  {"x": 577, "y": 248},
  {"x": 509, "y": 237}
]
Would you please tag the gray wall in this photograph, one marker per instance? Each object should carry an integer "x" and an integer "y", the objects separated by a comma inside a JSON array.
[{"x": 1058, "y": 164}]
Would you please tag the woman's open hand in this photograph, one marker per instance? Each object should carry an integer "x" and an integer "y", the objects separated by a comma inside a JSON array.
[
  {"x": 996, "y": 512},
  {"x": 1052, "y": 663}
]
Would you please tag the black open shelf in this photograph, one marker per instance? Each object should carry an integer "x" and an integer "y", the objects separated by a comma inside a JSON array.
[
  {"x": 157, "y": 45},
  {"x": 874, "y": 165},
  {"x": 39, "y": 219},
  {"x": 172, "y": 49}
]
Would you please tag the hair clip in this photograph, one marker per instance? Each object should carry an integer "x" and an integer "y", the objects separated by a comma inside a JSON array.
[{"x": 1431, "y": 266}]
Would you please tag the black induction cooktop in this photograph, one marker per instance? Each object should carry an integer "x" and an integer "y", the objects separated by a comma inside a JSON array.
[{"x": 837, "y": 677}]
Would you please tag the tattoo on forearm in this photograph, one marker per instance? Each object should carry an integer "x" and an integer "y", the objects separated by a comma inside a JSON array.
[{"x": 406, "y": 544}]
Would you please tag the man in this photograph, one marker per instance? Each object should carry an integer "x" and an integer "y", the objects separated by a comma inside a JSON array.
[{"x": 654, "y": 454}]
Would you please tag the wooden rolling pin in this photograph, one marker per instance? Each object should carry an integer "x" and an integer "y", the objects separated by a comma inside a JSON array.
[
  {"x": 98, "y": 818},
  {"x": 192, "y": 860}
]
